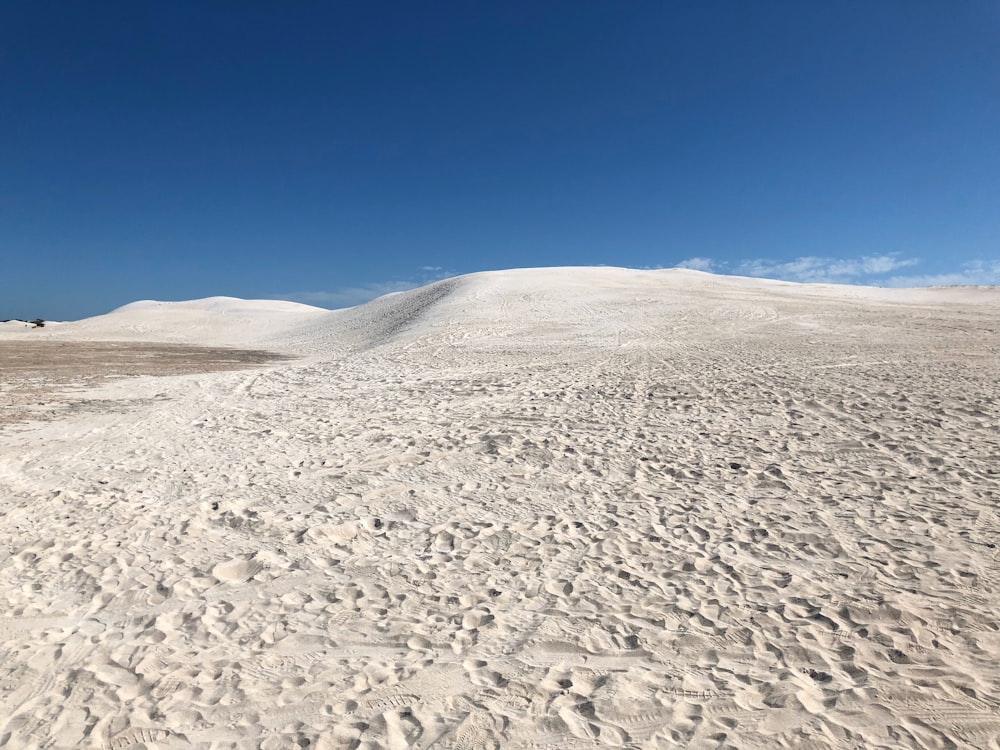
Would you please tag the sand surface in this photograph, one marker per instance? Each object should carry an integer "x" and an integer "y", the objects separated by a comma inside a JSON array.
[
  {"x": 563, "y": 508},
  {"x": 39, "y": 377}
]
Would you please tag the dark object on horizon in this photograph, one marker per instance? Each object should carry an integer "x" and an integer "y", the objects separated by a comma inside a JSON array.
[{"x": 37, "y": 323}]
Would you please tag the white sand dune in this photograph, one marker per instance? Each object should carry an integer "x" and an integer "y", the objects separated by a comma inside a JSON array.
[
  {"x": 545, "y": 508},
  {"x": 212, "y": 321}
]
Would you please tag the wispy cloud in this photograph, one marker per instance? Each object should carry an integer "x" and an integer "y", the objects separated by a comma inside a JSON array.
[
  {"x": 874, "y": 270},
  {"x": 349, "y": 296},
  {"x": 814, "y": 269},
  {"x": 699, "y": 264},
  {"x": 974, "y": 273}
]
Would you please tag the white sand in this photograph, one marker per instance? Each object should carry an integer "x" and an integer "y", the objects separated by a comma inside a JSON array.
[{"x": 555, "y": 508}]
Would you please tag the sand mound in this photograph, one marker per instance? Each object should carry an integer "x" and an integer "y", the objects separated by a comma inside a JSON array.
[
  {"x": 538, "y": 304},
  {"x": 592, "y": 305},
  {"x": 558, "y": 508},
  {"x": 215, "y": 321}
]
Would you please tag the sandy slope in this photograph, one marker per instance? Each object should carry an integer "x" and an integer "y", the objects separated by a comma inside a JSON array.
[
  {"x": 551, "y": 508},
  {"x": 219, "y": 321}
]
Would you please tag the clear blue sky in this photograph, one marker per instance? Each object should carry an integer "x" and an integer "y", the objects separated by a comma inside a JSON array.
[{"x": 327, "y": 152}]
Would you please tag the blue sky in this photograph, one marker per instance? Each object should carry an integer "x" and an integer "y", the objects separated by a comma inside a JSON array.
[{"x": 330, "y": 152}]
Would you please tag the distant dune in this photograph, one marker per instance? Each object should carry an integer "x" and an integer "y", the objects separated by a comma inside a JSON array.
[
  {"x": 536, "y": 302},
  {"x": 538, "y": 508}
]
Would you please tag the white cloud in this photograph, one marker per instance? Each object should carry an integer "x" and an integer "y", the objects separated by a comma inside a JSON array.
[
  {"x": 349, "y": 296},
  {"x": 974, "y": 273},
  {"x": 885, "y": 263},
  {"x": 699, "y": 264},
  {"x": 871, "y": 270},
  {"x": 813, "y": 269}
]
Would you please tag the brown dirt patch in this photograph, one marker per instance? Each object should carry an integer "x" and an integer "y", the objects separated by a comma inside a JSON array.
[{"x": 38, "y": 377}]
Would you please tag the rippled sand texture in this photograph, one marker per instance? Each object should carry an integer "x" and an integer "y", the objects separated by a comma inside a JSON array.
[{"x": 551, "y": 509}]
